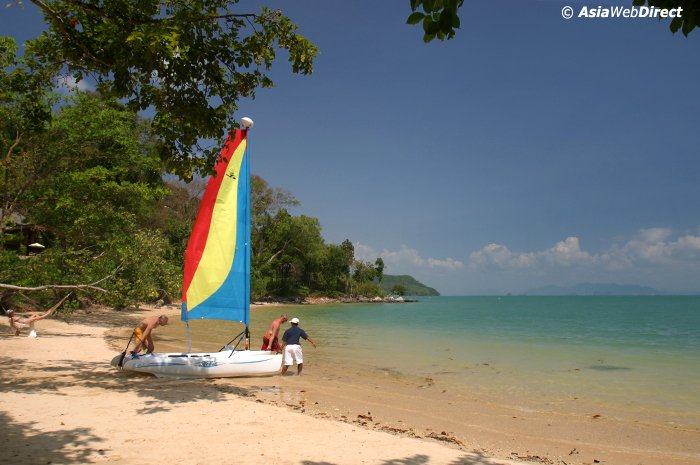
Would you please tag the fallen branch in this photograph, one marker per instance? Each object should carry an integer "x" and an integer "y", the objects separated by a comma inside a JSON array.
[{"x": 73, "y": 287}]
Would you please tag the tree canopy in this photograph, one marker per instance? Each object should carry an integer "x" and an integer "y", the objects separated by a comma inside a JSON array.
[
  {"x": 187, "y": 61},
  {"x": 88, "y": 185}
]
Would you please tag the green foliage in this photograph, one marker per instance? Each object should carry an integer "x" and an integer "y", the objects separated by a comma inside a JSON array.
[
  {"x": 90, "y": 183},
  {"x": 25, "y": 109},
  {"x": 364, "y": 272},
  {"x": 175, "y": 213},
  {"x": 398, "y": 289},
  {"x": 438, "y": 17},
  {"x": 379, "y": 268},
  {"x": 367, "y": 289},
  {"x": 144, "y": 270},
  {"x": 690, "y": 18},
  {"x": 410, "y": 285},
  {"x": 188, "y": 60},
  {"x": 100, "y": 179},
  {"x": 25, "y": 94}
]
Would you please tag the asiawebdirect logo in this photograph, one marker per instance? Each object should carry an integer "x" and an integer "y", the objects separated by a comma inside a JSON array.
[{"x": 603, "y": 12}]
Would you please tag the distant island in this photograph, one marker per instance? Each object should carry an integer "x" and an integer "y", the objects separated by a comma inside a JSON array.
[
  {"x": 404, "y": 284},
  {"x": 595, "y": 289}
]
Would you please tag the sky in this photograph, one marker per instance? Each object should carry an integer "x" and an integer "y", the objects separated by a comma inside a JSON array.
[{"x": 529, "y": 150}]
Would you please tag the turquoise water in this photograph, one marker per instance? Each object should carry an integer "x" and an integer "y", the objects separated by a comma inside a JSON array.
[
  {"x": 639, "y": 353},
  {"x": 632, "y": 350}
]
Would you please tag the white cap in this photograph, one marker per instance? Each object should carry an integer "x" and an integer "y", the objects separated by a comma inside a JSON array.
[{"x": 294, "y": 320}]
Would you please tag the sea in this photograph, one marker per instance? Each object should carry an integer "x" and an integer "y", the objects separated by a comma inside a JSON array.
[{"x": 638, "y": 354}]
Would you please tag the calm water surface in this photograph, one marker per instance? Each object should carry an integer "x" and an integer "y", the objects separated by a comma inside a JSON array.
[{"x": 638, "y": 352}]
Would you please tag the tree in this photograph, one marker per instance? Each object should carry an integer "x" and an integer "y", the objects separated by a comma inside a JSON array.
[
  {"x": 25, "y": 109},
  {"x": 188, "y": 60},
  {"x": 440, "y": 18},
  {"x": 175, "y": 214},
  {"x": 398, "y": 289},
  {"x": 379, "y": 269},
  {"x": 103, "y": 179},
  {"x": 99, "y": 184},
  {"x": 364, "y": 271}
]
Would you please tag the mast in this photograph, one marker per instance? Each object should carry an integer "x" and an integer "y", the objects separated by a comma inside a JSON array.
[{"x": 247, "y": 123}]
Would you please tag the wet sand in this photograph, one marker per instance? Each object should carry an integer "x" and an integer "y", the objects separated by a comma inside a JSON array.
[
  {"x": 76, "y": 409},
  {"x": 61, "y": 402},
  {"x": 485, "y": 413}
]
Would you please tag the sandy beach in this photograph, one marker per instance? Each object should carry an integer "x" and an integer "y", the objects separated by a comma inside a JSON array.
[{"x": 62, "y": 403}]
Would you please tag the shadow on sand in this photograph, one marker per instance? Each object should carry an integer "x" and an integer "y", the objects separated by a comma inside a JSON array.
[
  {"x": 21, "y": 443},
  {"x": 159, "y": 394},
  {"x": 472, "y": 458}
]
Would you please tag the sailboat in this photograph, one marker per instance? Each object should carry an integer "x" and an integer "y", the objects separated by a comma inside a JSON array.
[{"x": 216, "y": 277}]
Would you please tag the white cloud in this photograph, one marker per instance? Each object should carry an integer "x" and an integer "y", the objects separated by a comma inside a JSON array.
[
  {"x": 654, "y": 246},
  {"x": 500, "y": 256},
  {"x": 565, "y": 253},
  {"x": 657, "y": 257},
  {"x": 406, "y": 259},
  {"x": 649, "y": 247}
]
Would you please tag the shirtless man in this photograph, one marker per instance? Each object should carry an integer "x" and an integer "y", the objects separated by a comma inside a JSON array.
[
  {"x": 18, "y": 322},
  {"x": 270, "y": 341},
  {"x": 143, "y": 331}
]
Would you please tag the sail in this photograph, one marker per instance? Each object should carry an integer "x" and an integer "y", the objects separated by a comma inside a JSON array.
[{"x": 216, "y": 281}]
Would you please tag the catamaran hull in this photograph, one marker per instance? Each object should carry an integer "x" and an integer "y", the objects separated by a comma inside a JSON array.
[{"x": 240, "y": 363}]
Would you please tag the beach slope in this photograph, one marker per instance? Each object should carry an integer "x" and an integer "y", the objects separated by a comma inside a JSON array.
[{"x": 61, "y": 402}]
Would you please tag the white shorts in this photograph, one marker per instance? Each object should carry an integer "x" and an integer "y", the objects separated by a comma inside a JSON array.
[{"x": 292, "y": 353}]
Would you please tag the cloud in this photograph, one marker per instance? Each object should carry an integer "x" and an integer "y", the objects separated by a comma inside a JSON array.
[
  {"x": 658, "y": 257},
  {"x": 406, "y": 259},
  {"x": 70, "y": 83},
  {"x": 654, "y": 246},
  {"x": 648, "y": 247}
]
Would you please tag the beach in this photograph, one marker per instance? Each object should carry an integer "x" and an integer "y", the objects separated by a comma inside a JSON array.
[
  {"x": 61, "y": 402},
  {"x": 64, "y": 404}
]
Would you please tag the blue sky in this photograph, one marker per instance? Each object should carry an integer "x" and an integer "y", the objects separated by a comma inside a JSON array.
[{"x": 529, "y": 150}]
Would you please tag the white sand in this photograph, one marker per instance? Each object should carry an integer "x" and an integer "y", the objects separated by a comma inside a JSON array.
[{"x": 61, "y": 402}]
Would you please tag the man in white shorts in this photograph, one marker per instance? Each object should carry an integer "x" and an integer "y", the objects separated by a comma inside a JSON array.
[{"x": 292, "y": 348}]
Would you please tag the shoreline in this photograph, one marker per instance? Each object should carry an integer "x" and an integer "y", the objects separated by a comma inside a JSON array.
[
  {"x": 335, "y": 300},
  {"x": 397, "y": 406},
  {"x": 61, "y": 402}
]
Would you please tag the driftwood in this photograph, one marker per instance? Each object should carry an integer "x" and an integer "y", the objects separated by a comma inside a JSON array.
[
  {"x": 69, "y": 287},
  {"x": 74, "y": 287}
]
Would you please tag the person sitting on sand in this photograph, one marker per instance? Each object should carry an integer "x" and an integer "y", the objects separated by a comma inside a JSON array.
[
  {"x": 292, "y": 348},
  {"x": 270, "y": 341},
  {"x": 143, "y": 333},
  {"x": 19, "y": 323}
]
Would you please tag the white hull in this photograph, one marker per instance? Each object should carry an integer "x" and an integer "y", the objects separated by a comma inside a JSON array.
[{"x": 225, "y": 364}]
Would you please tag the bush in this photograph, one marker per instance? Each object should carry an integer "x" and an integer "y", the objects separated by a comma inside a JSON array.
[{"x": 367, "y": 289}]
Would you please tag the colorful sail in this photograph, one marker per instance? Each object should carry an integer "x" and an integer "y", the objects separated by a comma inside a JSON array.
[{"x": 216, "y": 281}]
